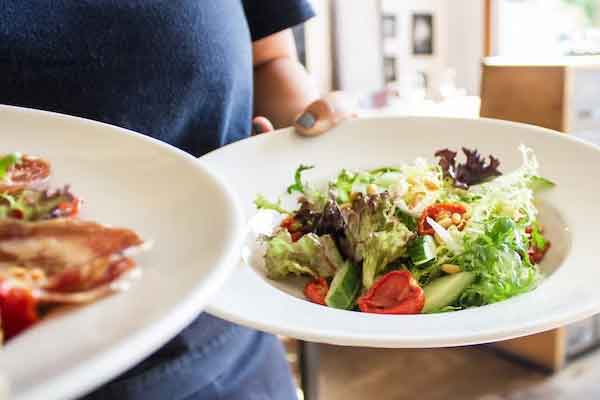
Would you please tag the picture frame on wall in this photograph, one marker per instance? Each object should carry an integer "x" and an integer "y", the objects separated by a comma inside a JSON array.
[
  {"x": 423, "y": 34},
  {"x": 389, "y": 26}
]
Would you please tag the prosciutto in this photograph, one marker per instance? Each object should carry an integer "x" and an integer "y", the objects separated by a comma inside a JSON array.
[
  {"x": 29, "y": 172},
  {"x": 48, "y": 256},
  {"x": 64, "y": 256}
]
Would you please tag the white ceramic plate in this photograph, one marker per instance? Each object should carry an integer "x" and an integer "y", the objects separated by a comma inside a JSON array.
[
  {"x": 125, "y": 179},
  {"x": 265, "y": 164}
]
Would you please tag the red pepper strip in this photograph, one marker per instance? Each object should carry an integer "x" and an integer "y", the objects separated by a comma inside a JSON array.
[
  {"x": 296, "y": 236},
  {"x": 434, "y": 212},
  {"x": 18, "y": 310},
  {"x": 316, "y": 291},
  {"x": 396, "y": 292},
  {"x": 291, "y": 225},
  {"x": 287, "y": 222}
]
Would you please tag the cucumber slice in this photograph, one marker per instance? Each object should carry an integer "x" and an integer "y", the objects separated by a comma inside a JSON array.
[
  {"x": 422, "y": 250},
  {"x": 445, "y": 290},
  {"x": 344, "y": 287}
]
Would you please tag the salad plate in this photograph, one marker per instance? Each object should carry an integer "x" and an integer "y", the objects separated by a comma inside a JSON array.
[
  {"x": 556, "y": 292},
  {"x": 184, "y": 212}
]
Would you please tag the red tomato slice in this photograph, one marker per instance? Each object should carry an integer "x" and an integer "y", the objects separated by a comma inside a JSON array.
[
  {"x": 18, "y": 309},
  {"x": 434, "y": 212},
  {"x": 397, "y": 292},
  {"x": 316, "y": 291}
]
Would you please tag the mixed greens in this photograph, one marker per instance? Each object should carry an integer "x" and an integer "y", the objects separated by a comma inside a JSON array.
[{"x": 418, "y": 238}]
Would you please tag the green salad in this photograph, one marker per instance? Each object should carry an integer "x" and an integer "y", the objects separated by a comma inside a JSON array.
[{"x": 417, "y": 238}]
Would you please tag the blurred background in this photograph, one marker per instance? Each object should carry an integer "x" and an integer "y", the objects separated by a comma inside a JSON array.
[
  {"x": 533, "y": 61},
  {"x": 425, "y": 56}
]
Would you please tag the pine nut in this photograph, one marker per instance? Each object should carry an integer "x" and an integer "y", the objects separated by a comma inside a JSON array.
[
  {"x": 450, "y": 268},
  {"x": 417, "y": 199},
  {"x": 456, "y": 218},
  {"x": 445, "y": 222},
  {"x": 37, "y": 274},
  {"x": 17, "y": 272},
  {"x": 429, "y": 184}
]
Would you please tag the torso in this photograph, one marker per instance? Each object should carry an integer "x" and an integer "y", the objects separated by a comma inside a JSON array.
[{"x": 179, "y": 70}]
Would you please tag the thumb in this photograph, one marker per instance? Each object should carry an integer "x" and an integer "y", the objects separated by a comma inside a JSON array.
[{"x": 325, "y": 113}]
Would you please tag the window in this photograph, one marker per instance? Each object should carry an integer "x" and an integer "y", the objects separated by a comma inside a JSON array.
[{"x": 546, "y": 27}]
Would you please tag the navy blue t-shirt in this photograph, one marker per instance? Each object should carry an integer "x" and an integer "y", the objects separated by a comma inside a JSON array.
[{"x": 178, "y": 70}]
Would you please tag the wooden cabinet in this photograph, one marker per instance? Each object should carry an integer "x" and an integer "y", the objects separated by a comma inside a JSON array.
[{"x": 564, "y": 96}]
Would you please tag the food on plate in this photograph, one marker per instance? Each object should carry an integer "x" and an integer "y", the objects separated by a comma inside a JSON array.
[
  {"x": 425, "y": 237},
  {"x": 19, "y": 171},
  {"x": 48, "y": 256}
]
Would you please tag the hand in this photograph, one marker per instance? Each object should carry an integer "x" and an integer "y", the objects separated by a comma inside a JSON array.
[{"x": 318, "y": 117}]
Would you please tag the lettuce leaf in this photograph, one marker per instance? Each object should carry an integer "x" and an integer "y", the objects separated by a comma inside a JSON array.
[
  {"x": 383, "y": 247},
  {"x": 538, "y": 183},
  {"x": 310, "y": 255},
  {"x": 34, "y": 205},
  {"x": 367, "y": 215},
  {"x": 473, "y": 171},
  {"x": 262, "y": 203},
  {"x": 374, "y": 234},
  {"x": 537, "y": 238},
  {"x": 8, "y": 161},
  {"x": 298, "y": 185},
  {"x": 499, "y": 257},
  {"x": 315, "y": 198}
]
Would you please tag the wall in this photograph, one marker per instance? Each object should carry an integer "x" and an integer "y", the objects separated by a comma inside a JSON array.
[
  {"x": 458, "y": 30},
  {"x": 408, "y": 65},
  {"x": 357, "y": 37},
  {"x": 319, "y": 60},
  {"x": 465, "y": 42}
]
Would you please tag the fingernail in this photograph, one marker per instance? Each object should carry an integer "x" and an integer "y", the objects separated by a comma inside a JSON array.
[
  {"x": 306, "y": 120},
  {"x": 256, "y": 129}
]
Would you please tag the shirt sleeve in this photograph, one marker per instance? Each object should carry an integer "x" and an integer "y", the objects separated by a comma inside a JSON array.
[{"x": 266, "y": 17}]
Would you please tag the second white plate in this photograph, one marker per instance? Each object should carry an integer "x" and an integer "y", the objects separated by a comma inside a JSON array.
[
  {"x": 130, "y": 180},
  {"x": 265, "y": 164}
]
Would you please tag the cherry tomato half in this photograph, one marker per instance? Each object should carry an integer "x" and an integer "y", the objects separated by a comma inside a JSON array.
[
  {"x": 435, "y": 211},
  {"x": 396, "y": 292},
  {"x": 316, "y": 291},
  {"x": 18, "y": 309}
]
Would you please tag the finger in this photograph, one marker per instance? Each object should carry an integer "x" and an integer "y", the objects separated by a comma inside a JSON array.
[
  {"x": 325, "y": 113},
  {"x": 261, "y": 125}
]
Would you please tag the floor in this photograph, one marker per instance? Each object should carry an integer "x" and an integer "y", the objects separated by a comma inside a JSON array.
[{"x": 471, "y": 373}]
